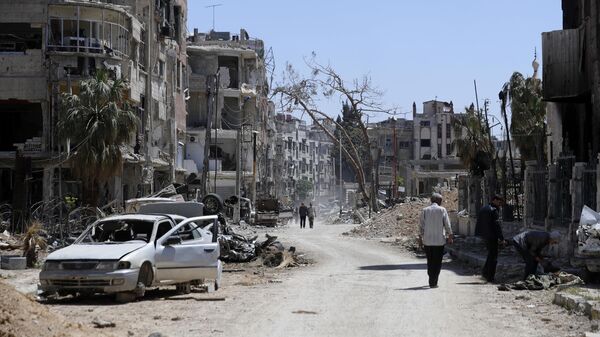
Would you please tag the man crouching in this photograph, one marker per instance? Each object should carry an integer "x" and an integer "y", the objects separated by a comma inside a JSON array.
[{"x": 435, "y": 231}]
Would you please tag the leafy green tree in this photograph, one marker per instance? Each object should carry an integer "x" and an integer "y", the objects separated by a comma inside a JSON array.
[
  {"x": 528, "y": 126},
  {"x": 303, "y": 188},
  {"x": 97, "y": 121},
  {"x": 473, "y": 147}
]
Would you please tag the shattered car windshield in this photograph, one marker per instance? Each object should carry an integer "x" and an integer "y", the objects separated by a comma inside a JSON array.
[{"x": 119, "y": 231}]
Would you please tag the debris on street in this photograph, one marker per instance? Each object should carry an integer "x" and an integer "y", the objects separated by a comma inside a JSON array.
[
  {"x": 22, "y": 316},
  {"x": 543, "y": 282}
]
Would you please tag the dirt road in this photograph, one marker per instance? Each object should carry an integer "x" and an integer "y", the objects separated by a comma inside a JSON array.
[{"x": 356, "y": 288}]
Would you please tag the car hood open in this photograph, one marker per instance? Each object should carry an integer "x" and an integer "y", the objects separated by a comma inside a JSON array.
[{"x": 113, "y": 251}]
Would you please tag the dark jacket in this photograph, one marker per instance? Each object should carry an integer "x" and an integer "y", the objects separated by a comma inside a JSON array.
[
  {"x": 303, "y": 211},
  {"x": 488, "y": 223},
  {"x": 532, "y": 241}
]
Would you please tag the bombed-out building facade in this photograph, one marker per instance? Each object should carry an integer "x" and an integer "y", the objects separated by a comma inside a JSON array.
[
  {"x": 47, "y": 47},
  {"x": 230, "y": 125}
]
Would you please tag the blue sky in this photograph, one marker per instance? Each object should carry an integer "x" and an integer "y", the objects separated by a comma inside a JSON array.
[{"x": 413, "y": 50}]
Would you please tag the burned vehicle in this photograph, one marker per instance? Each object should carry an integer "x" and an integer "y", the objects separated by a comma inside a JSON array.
[
  {"x": 267, "y": 212},
  {"x": 125, "y": 254}
]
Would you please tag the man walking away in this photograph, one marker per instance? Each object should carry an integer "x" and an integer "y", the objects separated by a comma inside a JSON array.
[
  {"x": 311, "y": 215},
  {"x": 302, "y": 211},
  {"x": 489, "y": 229},
  {"x": 530, "y": 244},
  {"x": 435, "y": 231}
]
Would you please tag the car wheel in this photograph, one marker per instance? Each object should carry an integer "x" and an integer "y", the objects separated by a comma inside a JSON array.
[
  {"x": 212, "y": 204},
  {"x": 125, "y": 297},
  {"x": 217, "y": 285},
  {"x": 146, "y": 276}
]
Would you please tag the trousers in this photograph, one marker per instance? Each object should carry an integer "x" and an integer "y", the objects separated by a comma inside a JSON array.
[
  {"x": 434, "y": 263},
  {"x": 489, "y": 268},
  {"x": 302, "y": 221}
]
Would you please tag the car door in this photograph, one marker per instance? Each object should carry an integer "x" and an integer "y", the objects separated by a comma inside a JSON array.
[{"x": 180, "y": 260}]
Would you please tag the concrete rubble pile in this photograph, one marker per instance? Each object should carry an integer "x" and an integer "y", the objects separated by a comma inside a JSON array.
[
  {"x": 588, "y": 233},
  {"x": 543, "y": 282}
]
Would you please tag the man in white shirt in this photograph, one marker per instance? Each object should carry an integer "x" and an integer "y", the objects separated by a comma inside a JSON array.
[{"x": 435, "y": 232}]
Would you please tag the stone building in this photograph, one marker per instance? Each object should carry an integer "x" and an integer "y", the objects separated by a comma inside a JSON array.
[
  {"x": 304, "y": 153},
  {"x": 434, "y": 157},
  {"x": 571, "y": 82},
  {"x": 229, "y": 99},
  {"x": 47, "y": 47},
  {"x": 395, "y": 139}
]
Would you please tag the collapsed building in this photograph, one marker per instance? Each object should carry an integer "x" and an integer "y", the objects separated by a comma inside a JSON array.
[
  {"x": 230, "y": 127},
  {"x": 47, "y": 47}
]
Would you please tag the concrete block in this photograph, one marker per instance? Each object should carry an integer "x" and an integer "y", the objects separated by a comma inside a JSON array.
[{"x": 13, "y": 262}]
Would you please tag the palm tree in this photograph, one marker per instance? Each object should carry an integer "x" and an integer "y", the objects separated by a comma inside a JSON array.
[
  {"x": 97, "y": 121},
  {"x": 473, "y": 146},
  {"x": 528, "y": 127}
]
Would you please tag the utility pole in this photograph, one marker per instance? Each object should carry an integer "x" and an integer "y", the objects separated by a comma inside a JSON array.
[
  {"x": 216, "y": 99},
  {"x": 254, "y": 134},
  {"x": 148, "y": 99},
  {"x": 342, "y": 198},
  {"x": 238, "y": 175},
  {"x": 489, "y": 132},
  {"x": 208, "y": 137},
  {"x": 213, "y": 13},
  {"x": 394, "y": 172}
]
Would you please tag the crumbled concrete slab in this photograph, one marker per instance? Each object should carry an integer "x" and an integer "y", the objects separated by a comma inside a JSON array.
[{"x": 583, "y": 300}]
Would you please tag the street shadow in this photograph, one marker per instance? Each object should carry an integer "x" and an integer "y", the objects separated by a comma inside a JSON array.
[
  {"x": 481, "y": 283},
  {"x": 152, "y": 294},
  {"x": 415, "y": 288},
  {"x": 387, "y": 267}
]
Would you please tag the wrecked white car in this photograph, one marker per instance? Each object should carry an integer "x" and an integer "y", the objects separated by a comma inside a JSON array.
[{"x": 125, "y": 254}]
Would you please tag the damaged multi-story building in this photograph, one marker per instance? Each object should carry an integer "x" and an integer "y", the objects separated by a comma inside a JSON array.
[
  {"x": 230, "y": 125},
  {"x": 435, "y": 160},
  {"x": 47, "y": 47},
  {"x": 394, "y": 136},
  {"x": 305, "y": 152}
]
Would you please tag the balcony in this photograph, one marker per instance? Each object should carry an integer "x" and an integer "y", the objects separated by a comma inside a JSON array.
[
  {"x": 564, "y": 71},
  {"x": 94, "y": 30}
]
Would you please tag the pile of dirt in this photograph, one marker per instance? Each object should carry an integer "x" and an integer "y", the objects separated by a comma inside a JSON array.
[
  {"x": 402, "y": 220},
  {"x": 23, "y": 317}
]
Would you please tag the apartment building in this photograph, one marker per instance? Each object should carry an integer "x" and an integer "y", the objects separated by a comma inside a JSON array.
[
  {"x": 230, "y": 125},
  {"x": 48, "y": 46},
  {"x": 394, "y": 138},
  {"x": 305, "y": 153},
  {"x": 434, "y": 156}
]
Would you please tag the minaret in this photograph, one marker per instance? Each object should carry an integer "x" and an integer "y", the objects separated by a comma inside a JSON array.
[{"x": 535, "y": 64}]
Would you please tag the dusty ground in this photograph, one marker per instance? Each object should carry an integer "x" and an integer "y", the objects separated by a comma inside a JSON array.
[{"x": 357, "y": 288}]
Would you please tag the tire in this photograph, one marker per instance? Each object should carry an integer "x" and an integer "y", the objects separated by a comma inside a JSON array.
[
  {"x": 591, "y": 277},
  {"x": 217, "y": 285},
  {"x": 213, "y": 204},
  {"x": 125, "y": 297},
  {"x": 146, "y": 276}
]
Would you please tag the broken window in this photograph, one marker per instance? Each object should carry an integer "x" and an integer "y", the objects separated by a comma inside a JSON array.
[
  {"x": 425, "y": 142},
  {"x": 231, "y": 63},
  {"x": 18, "y": 37},
  {"x": 90, "y": 30},
  {"x": 20, "y": 123},
  {"x": 230, "y": 115},
  {"x": 177, "y": 23}
]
